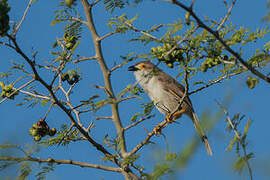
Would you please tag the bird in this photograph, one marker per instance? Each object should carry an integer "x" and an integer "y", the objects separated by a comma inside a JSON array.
[{"x": 166, "y": 94}]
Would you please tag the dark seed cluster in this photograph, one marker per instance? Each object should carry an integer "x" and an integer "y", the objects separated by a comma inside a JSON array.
[{"x": 41, "y": 129}]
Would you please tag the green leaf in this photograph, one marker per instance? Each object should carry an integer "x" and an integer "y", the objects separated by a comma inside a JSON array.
[
  {"x": 170, "y": 156},
  {"x": 240, "y": 163},
  {"x": 160, "y": 170},
  {"x": 233, "y": 141},
  {"x": 246, "y": 128},
  {"x": 25, "y": 170}
]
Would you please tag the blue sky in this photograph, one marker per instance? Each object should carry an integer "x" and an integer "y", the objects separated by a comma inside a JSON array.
[{"x": 37, "y": 33}]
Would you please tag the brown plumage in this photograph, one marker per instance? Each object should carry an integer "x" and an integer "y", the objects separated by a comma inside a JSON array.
[{"x": 166, "y": 94}]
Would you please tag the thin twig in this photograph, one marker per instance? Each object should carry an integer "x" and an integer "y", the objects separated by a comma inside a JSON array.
[
  {"x": 107, "y": 35},
  {"x": 142, "y": 32},
  {"x": 126, "y": 98},
  {"x": 94, "y": 3},
  {"x": 226, "y": 16},
  {"x": 137, "y": 122},
  {"x": 66, "y": 133},
  {"x": 16, "y": 90},
  {"x": 6, "y": 44},
  {"x": 48, "y": 111},
  {"x": 228, "y": 119},
  {"x": 121, "y": 64},
  {"x": 248, "y": 164},
  {"x": 100, "y": 87},
  {"x": 78, "y": 20},
  {"x": 35, "y": 95},
  {"x": 84, "y": 59},
  {"x": 21, "y": 77},
  {"x": 58, "y": 161},
  {"x": 91, "y": 125},
  {"x": 24, "y": 14},
  {"x": 103, "y": 117},
  {"x": 214, "y": 82}
]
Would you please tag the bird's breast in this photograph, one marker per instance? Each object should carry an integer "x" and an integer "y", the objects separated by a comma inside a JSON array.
[{"x": 162, "y": 99}]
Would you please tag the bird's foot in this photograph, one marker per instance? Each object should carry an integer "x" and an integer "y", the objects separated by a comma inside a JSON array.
[
  {"x": 169, "y": 119},
  {"x": 157, "y": 129}
]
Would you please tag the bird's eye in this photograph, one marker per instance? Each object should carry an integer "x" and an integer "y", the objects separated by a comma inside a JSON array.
[{"x": 142, "y": 66}]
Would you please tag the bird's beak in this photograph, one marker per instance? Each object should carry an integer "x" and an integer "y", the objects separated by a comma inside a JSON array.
[{"x": 132, "y": 68}]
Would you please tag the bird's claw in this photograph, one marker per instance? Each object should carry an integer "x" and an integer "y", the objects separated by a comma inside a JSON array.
[{"x": 157, "y": 129}]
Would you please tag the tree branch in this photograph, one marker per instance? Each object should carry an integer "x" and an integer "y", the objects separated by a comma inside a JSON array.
[
  {"x": 58, "y": 161},
  {"x": 16, "y": 90},
  {"x": 97, "y": 44},
  {"x": 216, "y": 35},
  {"x": 24, "y": 14},
  {"x": 214, "y": 82},
  {"x": 37, "y": 77},
  {"x": 121, "y": 64},
  {"x": 107, "y": 35},
  {"x": 137, "y": 122},
  {"x": 226, "y": 16},
  {"x": 228, "y": 119},
  {"x": 84, "y": 59}
]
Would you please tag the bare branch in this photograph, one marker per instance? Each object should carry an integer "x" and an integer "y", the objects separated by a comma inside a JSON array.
[
  {"x": 78, "y": 20},
  {"x": 35, "y": 95},
  {"x": 58, "y": 161},
  {"x": 214, "y": 82},
  {"x": 228, "y": 119},
  {"x": 142, "y": 32},
  {"x": 103, "y": 117},
  {"x": 137, "y": 122},
  {"x": 24, "y": 14},
  {"x": 94, "y": 3},
  {"x": 107, "y": 35},
  {"x": 126, "y": 98},
  {"x": 84, "y": 59},
  {"x": 122, "y": 64},
  {"x": 7, "y": 44},
  {"x": 226, "y": 16}
]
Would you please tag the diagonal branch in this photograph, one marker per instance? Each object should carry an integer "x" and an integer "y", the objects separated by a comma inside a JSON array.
[
  {"x": 58, "y": 102},
  {"x": 137, "y": 122},
  {"x": 59, "y": 161},
  {"x": 214, "y": 82},
  {"x": 217, "y": 36},
  {"x": 228, "y": 119},
  {"x": 24, "y": 14},
  {"x": 226, "y": 16},
  {"x": 16, "y": 90}
]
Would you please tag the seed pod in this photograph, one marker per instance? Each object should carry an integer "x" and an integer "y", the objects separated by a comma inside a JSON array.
[
  {"x": 65, "y": 77},
  {"x": 52, "y": 132},
  {"x": 187, "y": 18},
  {"x": 35, "y": 126},
  {"x": 2, "y": 84},
  {"x": 37, "y": 138}
]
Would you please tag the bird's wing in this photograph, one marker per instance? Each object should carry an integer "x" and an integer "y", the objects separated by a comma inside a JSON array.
[{"x": 173, "y": 87}]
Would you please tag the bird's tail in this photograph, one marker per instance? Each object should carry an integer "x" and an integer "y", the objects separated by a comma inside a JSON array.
[{"x": 201, "y": 133}]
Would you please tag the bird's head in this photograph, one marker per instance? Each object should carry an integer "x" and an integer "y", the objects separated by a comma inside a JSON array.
[{"x": 143, "y": 69}]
